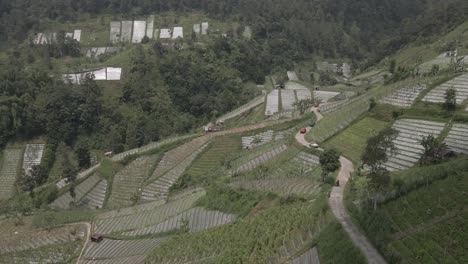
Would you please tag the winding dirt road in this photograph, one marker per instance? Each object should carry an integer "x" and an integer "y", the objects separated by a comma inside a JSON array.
[{"x": 338, "y": 208}]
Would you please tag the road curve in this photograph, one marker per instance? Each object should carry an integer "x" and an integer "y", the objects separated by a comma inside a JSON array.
[{"x": 337, "y": 205}]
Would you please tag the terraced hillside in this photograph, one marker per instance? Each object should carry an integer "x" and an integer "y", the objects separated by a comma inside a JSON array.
[
  {"x": 404, "y": 97},
  {"x": 159, "y": 189},
  {"x": 120, "y": 251},
  {"x": 408, "y": 143},
  {"x": 263, "y": 158},
  {"x": 257, "y": 139},
  {"x": 286, "y": 186},
  {"x": 9, "y": 171},
  {"x": 268, "y": 234},
  {"x": 460, "y": 84},
  {"x": 427, "y": 225},
  {"x": 128, "y": 181},
  {"x": 457, "y": 138},
  {"x": 15, "y": 238},
  {"x": 143, "y": 215},
  {"x": 309, "y": 257},
  {"x": 215, "y": 154},
  {"x": 197, "y": 219},
  {"x": 352, "y": 141},
  {"x": 81, "y": 190},
  {"x": 95, "y": 198},
  {"x": 58, "y": 253},
  {"x": 175, "y": 156},
  {"x": 250, "y": 105}
]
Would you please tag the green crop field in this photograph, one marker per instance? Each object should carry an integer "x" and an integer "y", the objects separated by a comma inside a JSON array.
[
  {"x": 352, "y": 141},
  {"x": 427, "y": 225},
  {"x": 258, "y": 239},
  {"x": 216, "y": 155}
]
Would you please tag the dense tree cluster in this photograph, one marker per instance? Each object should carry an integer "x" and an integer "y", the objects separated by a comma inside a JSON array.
[{"x": 363, "y": 30}]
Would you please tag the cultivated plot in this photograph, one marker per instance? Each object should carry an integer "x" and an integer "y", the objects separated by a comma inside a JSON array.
[
  {"x": 272, "y": 104},
  {"x": 457, "y": 138},
  {"x": 288, "y": 99},
  {"x": 32, "y": 156},
  {"x": 127, "y": 182},
  {"x": 324, "y": 96},
  {"x": 139, "y": 31},
  {"x": 165, "y": 33},
  {"x": 9, "y": 172},
  {"x": 204, "y": 28},
  {"x": 141, "y": 217},
  {"x": 114, "y": 31},
  {"x": 150, "y": 27},
  {"x": 408, "y": 143},
  {"x": 65, "y": 200},
  {"x": 196, "y": 219},
  {"x": 292, "y": 76},
  {"x": 257, "y": 140},
  {"x": 460, "y": 84},
  {"x": 178, "y": 32},
  {"x": 404, "y": 97},
  {"x": 126, "y": 32}
]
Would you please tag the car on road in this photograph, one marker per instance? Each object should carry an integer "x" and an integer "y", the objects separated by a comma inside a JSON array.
[
  {"x": 303, "y": 130},
  {"x": 313, "y": 145}
]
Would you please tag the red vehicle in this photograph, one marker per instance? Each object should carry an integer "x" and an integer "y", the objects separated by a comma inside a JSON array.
[{"x": 303, "y": 130}]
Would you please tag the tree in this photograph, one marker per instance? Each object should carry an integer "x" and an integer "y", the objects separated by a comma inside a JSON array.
[
  {"x": 304, "y": 104},
  {"x": 374, "y": 157},
  {"x": 392, "y": 66},
  {"x": 32, "y": 178},
  {"x": 375, "y": 153},
  {"x": 329, "y": 161},
  {"x": 450, "y": 103},
  {"x": 434, "y": 150},
  {"x": 83, "y": 154}
]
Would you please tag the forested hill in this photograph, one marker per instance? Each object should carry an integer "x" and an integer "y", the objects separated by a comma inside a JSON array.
[{"x": 357, "y": 29}]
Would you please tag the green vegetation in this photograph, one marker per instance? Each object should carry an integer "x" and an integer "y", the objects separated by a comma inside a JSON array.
[
  {"x": 262, "y": 233},
  {"x": 56, "y": 218},
  {"x": 238, "y": 202},
  {"x": 352, "y": 141},
  {"x": 334, "y": 246},
  {"x": 427, "y": 224},
  {"x": 60, "y": 253}
]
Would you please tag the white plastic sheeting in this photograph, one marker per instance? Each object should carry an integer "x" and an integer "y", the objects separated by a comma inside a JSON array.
[
  {"x": 272, "y": 103},
  {"x": 108, "y": 73},
  {"x": 114, "y": 74},
  {"x": 197, "y": 29},
  {"x": 165, "y": 33},
  {"x": 139, "y": 31},
  {"x": 204, "y": 28},
  {"x": 178, "y": 33},
  {"x": 77, "y": 35},
  {"x": 303, "y": 94},
  {"x": 114, "y": 31}
]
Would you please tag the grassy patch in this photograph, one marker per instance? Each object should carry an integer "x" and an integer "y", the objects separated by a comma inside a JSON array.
[
  {"x": 426, "y": 222},
  {"x": 352, "y": 141},
  {"x": 335, "y": 246},
  {"x": 238, "y": 202},
  {"x": 256, "y": 239},
  {"x": 253, "y": 116},
  {"x": 59, "y": 253},
  {"x": 52, "y": 218}
]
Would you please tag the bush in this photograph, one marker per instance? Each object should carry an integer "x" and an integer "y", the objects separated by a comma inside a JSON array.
[{"x": 45, "y": 196}]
